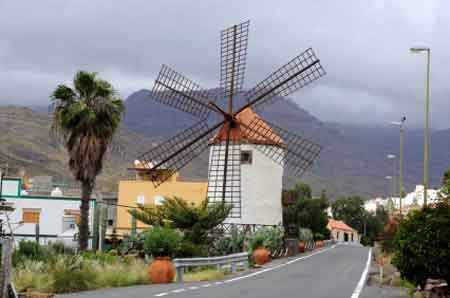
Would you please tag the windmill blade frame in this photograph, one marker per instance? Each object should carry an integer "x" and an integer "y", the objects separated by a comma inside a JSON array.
[
  {"x": 233, "y": 58},
  {"x": 177, "y": 91},
  {"x": 296, "y": 154},
  {"x": 294, "y": 75},
  {"x": 176, "y": 152},
  {"x": 224, "y": 176}
]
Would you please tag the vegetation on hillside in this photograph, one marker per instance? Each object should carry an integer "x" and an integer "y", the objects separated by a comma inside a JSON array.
[{"x": 86, "y": 119}]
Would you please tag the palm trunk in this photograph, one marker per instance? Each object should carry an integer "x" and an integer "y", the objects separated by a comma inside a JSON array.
[{"x": 86, "y": 191}]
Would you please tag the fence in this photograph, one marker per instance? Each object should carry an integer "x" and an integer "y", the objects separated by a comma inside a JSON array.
[{"x": 233, "y": 260}]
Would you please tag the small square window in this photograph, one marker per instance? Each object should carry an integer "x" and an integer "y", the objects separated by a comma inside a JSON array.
[{"x": 246, "y": 157}]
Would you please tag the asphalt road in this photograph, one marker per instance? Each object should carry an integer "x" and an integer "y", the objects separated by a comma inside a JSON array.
[{"x": 333, "y": 272}]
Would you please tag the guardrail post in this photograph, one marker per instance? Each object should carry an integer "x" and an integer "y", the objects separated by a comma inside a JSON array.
[
  {"x": 233, "y": 267},
  {"x": 219, "y": 267},
  {"x": 180, "y": 272}
]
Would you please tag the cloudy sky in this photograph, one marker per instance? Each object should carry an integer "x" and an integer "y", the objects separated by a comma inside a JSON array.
[{"x": 363, "y": 45}]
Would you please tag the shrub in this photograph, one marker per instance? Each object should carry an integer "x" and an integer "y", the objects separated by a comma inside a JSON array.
[
  {"x": 71, "y": 273},
  {"x": 162, "y": 241},
  {"x": 187, "y": 249},
  {"x": 230, "y": 243},
  {"x": 28, "y": 250},
  {"x": 256, "y": 240},
  {"x": 270, "y": 238},
  {"x": 305, "y": 235},
  {"x": 421, "y": 246},
  {"x": 319, "y": 237},
  {"x": 273, "y": 238}
]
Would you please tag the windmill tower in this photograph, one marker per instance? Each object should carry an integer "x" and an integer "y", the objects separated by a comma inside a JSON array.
[
  {"x": 247, "y": 154},
  {"x": 254, "y": 180}
]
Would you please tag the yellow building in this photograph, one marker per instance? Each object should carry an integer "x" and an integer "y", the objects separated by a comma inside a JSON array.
[{"x": 143, "y": 191}]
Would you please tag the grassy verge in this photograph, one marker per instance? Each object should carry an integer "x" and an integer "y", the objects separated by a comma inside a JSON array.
[{"x": 204, "y": 275}]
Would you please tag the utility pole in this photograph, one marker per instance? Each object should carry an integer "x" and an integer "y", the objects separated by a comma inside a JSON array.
[
  {"x": 401, "y": 190},
  {"x": 402, "y": 163},
  {"x": 427, "y": 122}
]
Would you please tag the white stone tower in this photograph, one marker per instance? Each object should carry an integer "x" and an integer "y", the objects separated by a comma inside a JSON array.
[{"x": 253, "y": 179}]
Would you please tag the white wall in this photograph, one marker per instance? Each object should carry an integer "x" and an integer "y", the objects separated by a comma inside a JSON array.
[
  {"x": 261, "y": 188},
  {"x": 51, "y": 216}
]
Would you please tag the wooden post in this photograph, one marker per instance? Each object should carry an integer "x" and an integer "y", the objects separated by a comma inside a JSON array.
[
  {"x": 6, "y": 265},
  {"x": 95, "y": 228},
  {"x": 103, "y": 219}
]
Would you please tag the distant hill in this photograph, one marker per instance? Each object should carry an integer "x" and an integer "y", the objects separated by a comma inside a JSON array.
[
  {"x": 353, "y": 160},
  {"x": 25, "y": 143}
]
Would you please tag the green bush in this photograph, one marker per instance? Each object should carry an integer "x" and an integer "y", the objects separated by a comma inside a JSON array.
[
  {"x": 187, "y": 249},
  {"x": 270, "y": 238},
  {"x": 421, "y": 245},
  {"x": 28, "y": 250},
  {"x": 230, "y": 243},
  {"x": 305, "y": 235},
  {"x": 162, "y": 241},
  {"x": 318, "y": 237}
]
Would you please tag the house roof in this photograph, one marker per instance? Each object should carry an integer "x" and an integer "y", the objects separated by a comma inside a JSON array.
[
  {"x": 262, "y": 133},
  {"x": 338, "y": 225}
]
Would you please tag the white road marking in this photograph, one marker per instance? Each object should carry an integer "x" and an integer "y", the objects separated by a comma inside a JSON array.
[
  {"x": 362, "y": 281},
  {"x": 178, "y": 290},
  {"x": 251, "y": 274}
]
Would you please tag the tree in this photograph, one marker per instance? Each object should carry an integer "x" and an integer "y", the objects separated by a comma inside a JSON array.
[
  {"x": 351, "y": 211},
  {"x": 444, "y": 194},
  {"x": 194, "y": 220},
  {"x": 421, "y": 245},
  {"x": 306, "y": 212},
  {"x": 86, "y": 118}
]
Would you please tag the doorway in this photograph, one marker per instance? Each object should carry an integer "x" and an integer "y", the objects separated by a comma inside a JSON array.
[{"x": 345, "y": 237}]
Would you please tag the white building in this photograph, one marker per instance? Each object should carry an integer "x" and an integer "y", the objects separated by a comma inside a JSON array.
[
  {"x": 254, "y": 180},
  {"x": 411, "y": 199},
  {"x": 53, "y": 217}
]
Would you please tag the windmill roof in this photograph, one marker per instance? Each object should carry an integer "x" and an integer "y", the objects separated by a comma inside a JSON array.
[{"x": 263, "y": 135}]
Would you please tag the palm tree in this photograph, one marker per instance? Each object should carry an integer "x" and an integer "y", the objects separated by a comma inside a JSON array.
[{"x": 86, "y": 119}]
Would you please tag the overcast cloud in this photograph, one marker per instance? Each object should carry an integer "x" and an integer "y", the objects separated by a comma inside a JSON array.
[{"x": 363, "y": 45}]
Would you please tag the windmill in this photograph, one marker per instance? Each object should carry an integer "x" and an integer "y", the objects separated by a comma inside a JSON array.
[{"x": 238, "y": 128}]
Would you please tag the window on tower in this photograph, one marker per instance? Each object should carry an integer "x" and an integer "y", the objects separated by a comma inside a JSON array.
[{"x": 246, "y": 157}]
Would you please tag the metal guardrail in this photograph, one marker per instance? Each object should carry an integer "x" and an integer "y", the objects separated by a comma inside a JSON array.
[{"x": 232, "y": 259}]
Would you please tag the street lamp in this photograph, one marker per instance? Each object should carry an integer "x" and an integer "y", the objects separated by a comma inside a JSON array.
[
  {"x": 401, "y": 124},
  {"x": 427, "y": 120}
]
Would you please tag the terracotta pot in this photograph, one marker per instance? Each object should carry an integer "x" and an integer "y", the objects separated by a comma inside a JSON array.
[
  {"x": 319, "y": 243},
  {"x": 301, "y": 247},
  {"x": 260, "y": 255},
  {"x": 161, "y": 271}
]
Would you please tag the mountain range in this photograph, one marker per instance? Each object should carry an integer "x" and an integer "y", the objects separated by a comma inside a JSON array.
[{"x": 353, "y": 160}]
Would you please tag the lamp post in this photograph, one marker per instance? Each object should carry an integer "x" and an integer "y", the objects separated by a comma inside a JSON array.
[
  {"x": 427, "y": 120},
  {"x": 401, "y": 124}
]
